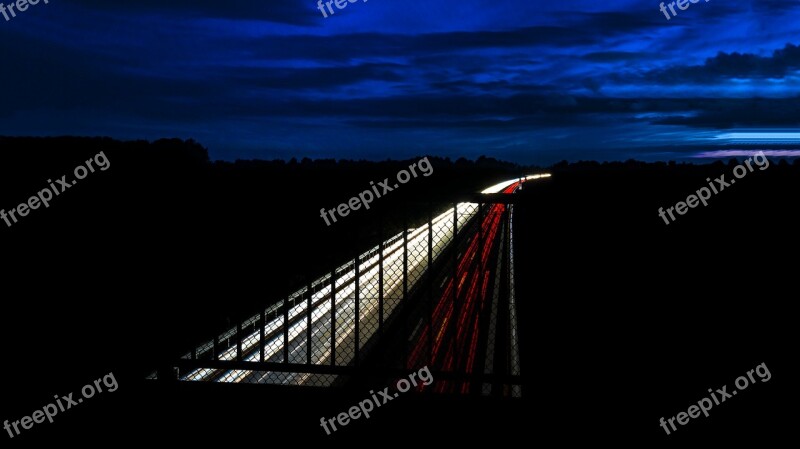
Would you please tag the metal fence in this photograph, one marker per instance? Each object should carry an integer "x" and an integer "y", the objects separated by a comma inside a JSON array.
[{"x": 440, "y": 294}]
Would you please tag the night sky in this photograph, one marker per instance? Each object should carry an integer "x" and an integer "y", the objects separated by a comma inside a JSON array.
[{"x": 527, "y": 81}]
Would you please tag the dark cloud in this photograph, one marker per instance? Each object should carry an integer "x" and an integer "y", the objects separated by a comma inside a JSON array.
[
  {"x": 311, "y": 78},
  {"x": 585, "y": 29},
  {"x": 774, "y": 7},
  {"x": 613, "y": 56},
  {"x": 152, "y": 65},
  {"x": 725, "y": 66},
  {"x": 293, "y": 12},
  {"x": 741, "y": 113}
]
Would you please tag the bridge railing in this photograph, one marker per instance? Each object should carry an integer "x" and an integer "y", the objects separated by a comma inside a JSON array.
[{"x": 439, "y": 294}]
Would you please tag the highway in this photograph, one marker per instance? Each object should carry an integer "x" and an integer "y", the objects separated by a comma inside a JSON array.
[{"x": 449, "y": 353}]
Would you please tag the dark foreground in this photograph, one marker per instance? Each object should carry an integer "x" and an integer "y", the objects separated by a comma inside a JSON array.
[{"x": 623, "y": 319}]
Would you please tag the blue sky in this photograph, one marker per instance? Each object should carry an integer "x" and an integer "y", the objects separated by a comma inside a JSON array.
[{"x": 527, "y": 81}]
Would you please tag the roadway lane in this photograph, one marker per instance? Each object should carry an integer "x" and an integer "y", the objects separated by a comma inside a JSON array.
[{"x": 344, "y": 294}]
